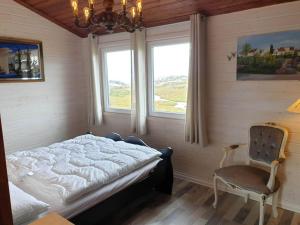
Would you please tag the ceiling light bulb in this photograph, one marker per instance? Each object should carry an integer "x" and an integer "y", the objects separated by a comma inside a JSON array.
[
  {"x": 124, "y": 2},
  {"x": 86, "y": 12},
  {"x": 74, "y": 4},
  {"x": 91, "y": 3},
  {"x": 133, "y": 12},
  {"x": 139, "y": 6}
]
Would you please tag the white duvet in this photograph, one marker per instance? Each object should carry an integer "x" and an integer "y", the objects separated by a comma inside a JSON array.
[{"x": 80, "y": 165}]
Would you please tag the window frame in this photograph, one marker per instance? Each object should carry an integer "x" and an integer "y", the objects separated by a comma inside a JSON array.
[
  {"x": 103, "y": 60},
  {"x": 150, "y": 61}
]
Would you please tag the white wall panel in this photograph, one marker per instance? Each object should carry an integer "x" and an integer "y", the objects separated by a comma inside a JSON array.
[
  {"x": 40, "y": 113},
  {"x": 232, "y": 105}
]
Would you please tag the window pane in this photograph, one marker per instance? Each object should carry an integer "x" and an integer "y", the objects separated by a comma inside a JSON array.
[
  {"x": 118, "y": 65},
  {"x": 171, "y": 65}
]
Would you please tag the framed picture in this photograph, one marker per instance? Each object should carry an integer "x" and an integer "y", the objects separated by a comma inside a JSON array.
[
  {"x": 273, "y": 56},
  {"x": 21, "y": 60}
]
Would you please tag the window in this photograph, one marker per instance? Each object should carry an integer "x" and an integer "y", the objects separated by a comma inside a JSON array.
[
  {"x": 117, "y": 79},
  {"x": 168, "y": 77}
]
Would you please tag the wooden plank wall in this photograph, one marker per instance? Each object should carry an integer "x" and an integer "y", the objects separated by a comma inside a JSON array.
[
  {"x": 38, "y": 114},
  {"x": 233, "y": 105}
]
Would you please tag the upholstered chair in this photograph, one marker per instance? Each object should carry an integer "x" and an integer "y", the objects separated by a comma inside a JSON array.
[{"x": 258, "y": 178}]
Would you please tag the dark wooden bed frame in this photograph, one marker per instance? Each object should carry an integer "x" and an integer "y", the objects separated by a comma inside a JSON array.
[
  {"x": 160, "y": 179},
  {"x": 5, "y": 208}
]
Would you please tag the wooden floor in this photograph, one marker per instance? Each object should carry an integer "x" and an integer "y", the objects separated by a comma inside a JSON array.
[{"x": 191, "y": 204}]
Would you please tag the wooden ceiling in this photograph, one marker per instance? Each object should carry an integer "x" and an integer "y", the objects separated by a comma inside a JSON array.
[{"x": 156, "y": 12}]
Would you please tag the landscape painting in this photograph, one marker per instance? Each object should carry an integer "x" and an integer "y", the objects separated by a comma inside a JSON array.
[
  {"x": 20, "y": 60},
  {"x": 273, "y": 56}
]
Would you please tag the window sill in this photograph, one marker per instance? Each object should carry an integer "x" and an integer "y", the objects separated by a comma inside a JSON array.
[
  {"x": 120, "y": 115},
  {"x": 172, "y": 116},
  {"x": 118, "y": 111},
  {"x": 149, "y": 117}
]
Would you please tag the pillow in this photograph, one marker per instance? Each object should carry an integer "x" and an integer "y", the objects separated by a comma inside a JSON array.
[{"x": 24, "y": 206}]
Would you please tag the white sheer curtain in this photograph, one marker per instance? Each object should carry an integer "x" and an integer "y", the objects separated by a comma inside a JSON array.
[
  {"x": 195, "y": 129},
  {"x": 138, "y": 84},
  {"x": 95, "y": 112}
]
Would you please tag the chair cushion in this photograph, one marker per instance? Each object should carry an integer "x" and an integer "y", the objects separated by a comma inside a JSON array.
[{"x": 248, "y": 177}]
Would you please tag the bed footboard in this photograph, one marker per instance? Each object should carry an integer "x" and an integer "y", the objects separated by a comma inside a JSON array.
[{"x": 164, "y": 174}]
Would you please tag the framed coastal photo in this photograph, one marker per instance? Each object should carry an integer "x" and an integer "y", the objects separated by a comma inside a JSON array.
[
  {"x": 272, "y": 56},
  {"x": 21, "y": 60}
]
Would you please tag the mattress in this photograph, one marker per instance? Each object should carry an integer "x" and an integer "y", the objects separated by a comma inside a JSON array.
[
  {"x": 87, "y": 201},
  {"x": 78, "y": 166}
]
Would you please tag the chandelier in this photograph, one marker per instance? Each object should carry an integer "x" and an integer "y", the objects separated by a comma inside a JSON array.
[{"x": 128, "y": 20}]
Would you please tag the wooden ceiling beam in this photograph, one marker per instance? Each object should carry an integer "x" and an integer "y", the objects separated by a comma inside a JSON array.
[{"x": 156, "y": 12}]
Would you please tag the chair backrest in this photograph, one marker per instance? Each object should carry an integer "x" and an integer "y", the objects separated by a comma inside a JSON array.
[{"x": 267, "y": 142}]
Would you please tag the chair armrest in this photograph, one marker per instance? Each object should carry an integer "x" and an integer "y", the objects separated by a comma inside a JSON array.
[
  {"x": 281, "y": 160},
  {"x": 274, "y": 168},
  {"x": 273, "y": 172},
  {"x": 229, "y": 149}
]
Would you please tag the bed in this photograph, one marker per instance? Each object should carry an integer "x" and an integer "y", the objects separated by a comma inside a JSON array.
[{"x": 83, "y": 176}]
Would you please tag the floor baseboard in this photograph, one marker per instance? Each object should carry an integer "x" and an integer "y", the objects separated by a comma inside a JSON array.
[{"x": 183, "y": 176}]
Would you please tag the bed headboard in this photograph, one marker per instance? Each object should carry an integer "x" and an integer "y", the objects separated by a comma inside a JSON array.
[{"x": 5, "y": 209}]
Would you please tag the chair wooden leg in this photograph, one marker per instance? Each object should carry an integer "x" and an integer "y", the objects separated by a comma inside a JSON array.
[
  {"x": 275, "y": 204},
  {"x": 246, "y": 197},
  {"x": 262, "y": 210},
  {"x": 216, "y": 191}
]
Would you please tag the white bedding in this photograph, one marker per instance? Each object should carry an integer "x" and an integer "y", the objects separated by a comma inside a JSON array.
[
  {"x": 24, "y": 206},
  {"x": 78, "y": 166},
  {"x": 69, "y": 210},
  {"x": 87, "y": 201}
]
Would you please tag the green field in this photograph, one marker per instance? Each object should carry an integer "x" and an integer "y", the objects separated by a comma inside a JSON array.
[
  {"x": 170, "y": 94},
  {"x": 173, "y": 93},
  {"x": 119, "y": 97}
]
